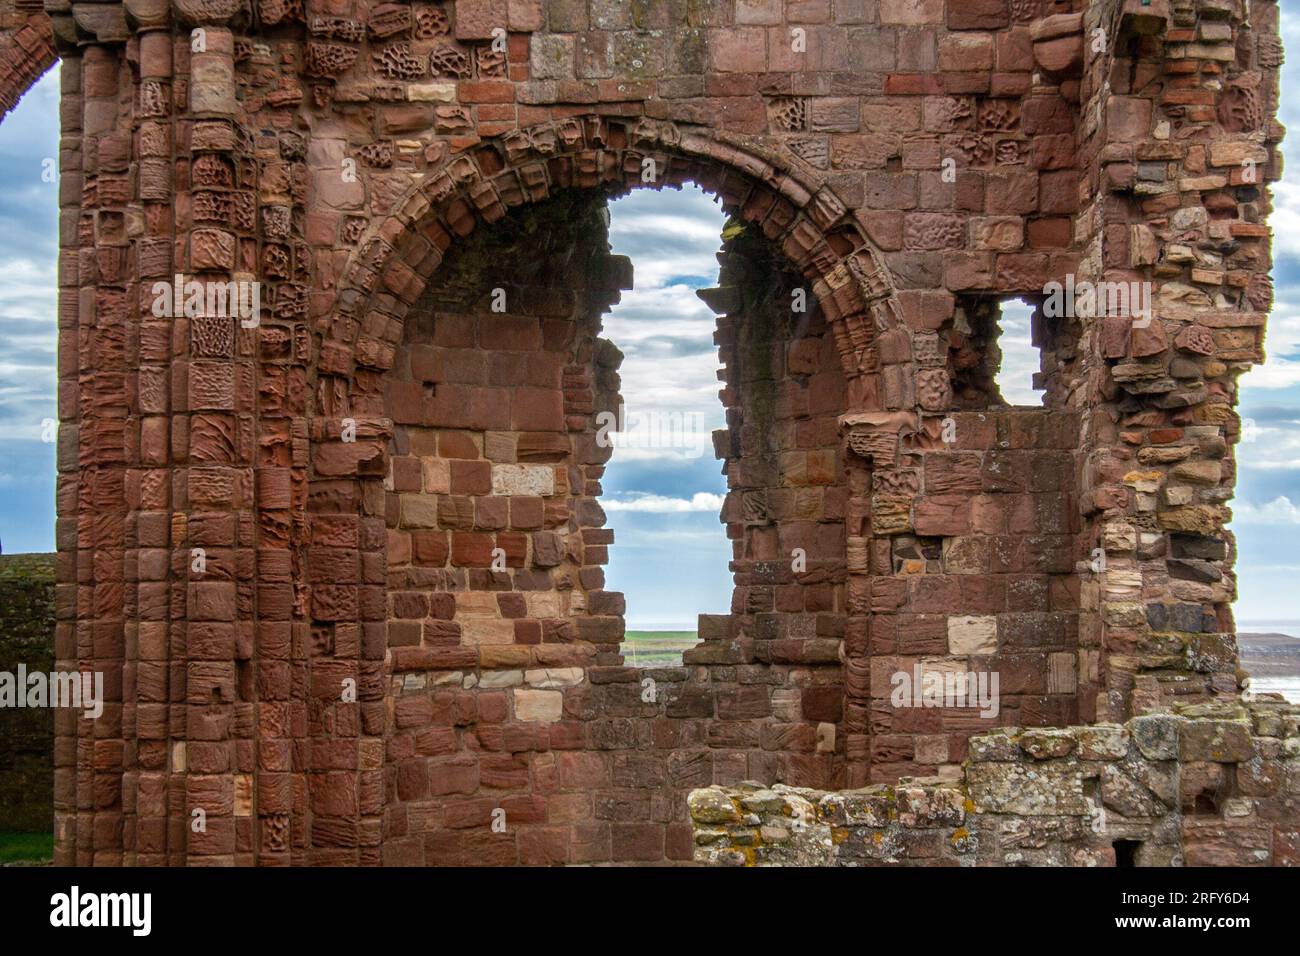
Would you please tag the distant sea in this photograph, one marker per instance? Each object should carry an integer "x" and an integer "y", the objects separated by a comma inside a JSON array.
[
  {"x": 1274, "y": 661},
  {"x": 1275, "y": 625},
  {"x": 1288, "y": 687}
]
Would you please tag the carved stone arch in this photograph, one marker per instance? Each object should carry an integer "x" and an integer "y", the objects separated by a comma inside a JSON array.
[
  {"x": 26, "y": 53},
  {"x": 395, "y": 259}
]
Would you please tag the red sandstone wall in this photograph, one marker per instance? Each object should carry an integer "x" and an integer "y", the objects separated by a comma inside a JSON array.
[
  {"x": 339, "y": 152},
  {"x": 974, "y": 570}
]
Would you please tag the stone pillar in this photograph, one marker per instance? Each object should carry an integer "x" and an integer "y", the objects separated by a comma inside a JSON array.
[
  {"x": 1178, "y": 160},
  {"x": 109, "y": 457},
  {"x": 321, "y": 490},
  {"x": 68, "y": 849},
  {"x": 156, "y": 779},
  {"x": 214, "y": 391}
]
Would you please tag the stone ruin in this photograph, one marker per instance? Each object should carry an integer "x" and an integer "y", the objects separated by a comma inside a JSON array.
[{"x": 276, "y": 529}]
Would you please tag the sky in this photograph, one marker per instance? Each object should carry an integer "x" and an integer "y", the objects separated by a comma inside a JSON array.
[
  {"x": 671, "y": 552},
  {"x": 670, "y": 549},
  {"x": 28, "y": 326}
]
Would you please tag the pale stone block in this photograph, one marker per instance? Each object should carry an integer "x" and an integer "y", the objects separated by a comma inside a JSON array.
[
  {"x": 1201, "y": 183},
  {"x": 553, "y": 677},
  {"x": 940, "y": 666},
  {"x": 972, "y": 635},
  {"x": 431, "y": 92},
  {"x": 887, "y": 681},
  {"x": 552, "y": 57},
  {"x": 1200, "y": 472},
  {"x": 1224, "y": 52},
  {"x": 1118, "y": 536},
  {"x": 1124, "y": 614},
  {"x": 437, "y": 475},
  {"x": 243, "y": 794},
  {"x": 999, "y": 233},
  {"x": 476, "y": 604},
  {"x": 787, "y": 704},
  {"x": 542, "y": 705},
  {"x": 486, "y": 630},
  {"x": 1215, "y": 31},
  {"x": 212, "y": 84},
  {"x": 951, "y": 773},
  {"x": 543, "y": 604},
  {"x": 1237, "y": 153},
  {"x": 825, "y": 738},
  {"x": 1120, "y": 580},
  {"x": 523, "y": 480},
  {"x": 325, "y": 159},
  {"x": 510, "y": 678},
  {"x": 1061, "y": 673},
  {"x": 1232, "y": 807}
]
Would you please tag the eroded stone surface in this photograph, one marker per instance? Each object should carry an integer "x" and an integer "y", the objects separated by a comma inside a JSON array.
[{"x": 1020, "y": 806}]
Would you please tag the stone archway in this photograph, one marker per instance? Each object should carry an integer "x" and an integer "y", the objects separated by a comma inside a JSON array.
[
  {"x": 807, "y": 220},
  {"x": 381, "y": 286}
]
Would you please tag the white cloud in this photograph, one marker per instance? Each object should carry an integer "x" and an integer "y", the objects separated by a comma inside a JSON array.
[
  {"x": 1020, "y": 359},
  {"x": 660, "y": 504},
  {"x": 1281, "y": 368},
  {"x": 650, "y": 311},
  {"x": 685, "y": 225},
  {"x": 1285, "y": 220},
  {"x": 1277, "y": 372},
  {"x": 668, "y": 457},
  {"x": 1278, "y": 448},
  {"x": 685, "y": 384},
  {"x": 1286, "y": 193},
  {"x": 28, "y": 259},
  {"x": 642, "y": 539},
  {"x": 663, "y": 328},
  {"x": 1269, "y": 446},
  {"x": 1278, "y": 511}
]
